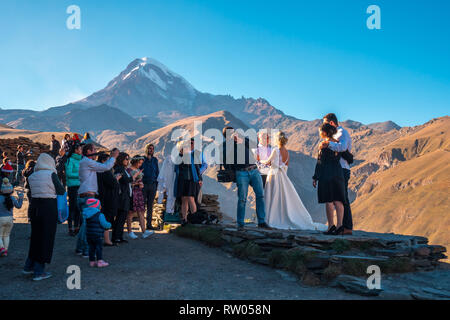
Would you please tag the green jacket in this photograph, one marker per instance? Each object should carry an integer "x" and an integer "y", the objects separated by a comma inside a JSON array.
[{"x": 72, "y": 168}]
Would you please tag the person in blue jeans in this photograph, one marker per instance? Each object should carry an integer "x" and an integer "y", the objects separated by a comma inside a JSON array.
[
  {"x": 247, "y": 174},
  {"x": 82, "y": 244}
]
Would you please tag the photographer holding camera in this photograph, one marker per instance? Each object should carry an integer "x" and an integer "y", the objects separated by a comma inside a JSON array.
[{"x": 246, "y": 173}]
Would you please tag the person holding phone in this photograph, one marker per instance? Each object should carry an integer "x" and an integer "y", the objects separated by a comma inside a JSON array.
[
  {"x": 88, "y": 169},
  {"x": 108, "y": 194},
  {"x": 138, "y": 202},
  {"x": 124, "y": 205}
]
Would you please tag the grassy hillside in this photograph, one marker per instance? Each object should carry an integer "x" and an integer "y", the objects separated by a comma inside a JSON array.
[{"x": 411, "y": 194}]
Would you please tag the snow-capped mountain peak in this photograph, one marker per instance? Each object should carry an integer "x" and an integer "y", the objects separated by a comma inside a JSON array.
[
  {"x": 145, "y": 83},
  {"x": 155, "y": 71}
]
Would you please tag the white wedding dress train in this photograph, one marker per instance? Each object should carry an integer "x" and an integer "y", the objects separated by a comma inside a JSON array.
[{"x": 284, "y": 208}]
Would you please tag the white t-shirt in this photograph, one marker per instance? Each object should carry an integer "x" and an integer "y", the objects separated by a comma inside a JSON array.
[{"x": 264, "y": 153}]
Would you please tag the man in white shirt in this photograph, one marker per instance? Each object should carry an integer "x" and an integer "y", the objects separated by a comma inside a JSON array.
[
  {"x": 88, "y": 169},
  {"x": 344, "y": 143},
  {"x": 263, "y": 152}
]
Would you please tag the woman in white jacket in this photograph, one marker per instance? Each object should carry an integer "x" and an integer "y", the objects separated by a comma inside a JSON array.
[
  {"x": 166, "y": 182},
  {"x": 44, "y": 186}
]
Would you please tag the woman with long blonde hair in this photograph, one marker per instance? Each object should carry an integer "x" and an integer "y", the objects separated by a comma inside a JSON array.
[{"x": 284, "y": 208}]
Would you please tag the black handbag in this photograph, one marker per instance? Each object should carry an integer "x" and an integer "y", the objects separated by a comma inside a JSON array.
[
  {"x": 226, "y": 175},
  {"x": 347, "y": 156}
]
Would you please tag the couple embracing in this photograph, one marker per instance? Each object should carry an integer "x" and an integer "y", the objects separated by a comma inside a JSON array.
[{"x": 277, "y": 201}]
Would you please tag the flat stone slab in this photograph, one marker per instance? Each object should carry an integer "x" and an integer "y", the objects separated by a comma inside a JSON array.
[
  {"x": 337, "y": 257},
  {"x": 317, "y": 259},
  {"x": 382, "y": 239},
  {"x": 355, "y": 285}
]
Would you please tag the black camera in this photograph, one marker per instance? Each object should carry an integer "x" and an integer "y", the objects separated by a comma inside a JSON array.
[{"x": 226, "y": 175}]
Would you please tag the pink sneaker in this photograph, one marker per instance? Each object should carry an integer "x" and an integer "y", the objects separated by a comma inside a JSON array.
[
  {"x": 101, "y": 264},
  {"x": 3, "y": 252},
  {"x": 93, "y": 263}
]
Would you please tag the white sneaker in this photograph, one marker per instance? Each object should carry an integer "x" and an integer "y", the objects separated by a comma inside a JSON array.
[
  {"x": 131, "y": 235},
  {"x": 147, "y": 233}
]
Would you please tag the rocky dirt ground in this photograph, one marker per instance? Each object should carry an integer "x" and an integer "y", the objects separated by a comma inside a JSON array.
[{"x": 163, "y": 266}]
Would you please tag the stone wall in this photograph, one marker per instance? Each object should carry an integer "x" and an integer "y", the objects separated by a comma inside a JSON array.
[
  {"x": 209, "y": 204},
  {"x": 10, "y": 146},
  {"x": 317, "y": 258}
]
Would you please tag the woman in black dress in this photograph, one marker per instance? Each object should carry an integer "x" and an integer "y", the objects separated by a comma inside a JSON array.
[
  {"x": 331, "y": 188},
  {"x": 108, "y": 191},
  {"x": 188, "y": 180},
  {"x": 124, "y": 203}
]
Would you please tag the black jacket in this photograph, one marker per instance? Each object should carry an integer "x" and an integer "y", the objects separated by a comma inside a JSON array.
[
  {"x": 60, "y": 164},
  {"x": 26, "y": 173},
  {"x": 124, "y": 189},
  {"x": 238, "y": 162},
  {"x": 108, "y": 191},
  {"x": 20, "y": 158},
  {"x": 94, "y": 229},
  {"x": 328, "y": 165}
]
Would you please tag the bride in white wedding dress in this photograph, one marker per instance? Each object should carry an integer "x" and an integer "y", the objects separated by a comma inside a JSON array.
[{"x": 284, "y": 208}]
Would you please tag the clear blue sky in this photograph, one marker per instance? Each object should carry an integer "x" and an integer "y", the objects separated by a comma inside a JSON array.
[{"x": 305, "y": 57}]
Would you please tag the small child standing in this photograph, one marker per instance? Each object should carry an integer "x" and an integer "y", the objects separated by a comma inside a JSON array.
[
  {"x": 96, "y": 225},
  {"x": 7, "y": 203}
]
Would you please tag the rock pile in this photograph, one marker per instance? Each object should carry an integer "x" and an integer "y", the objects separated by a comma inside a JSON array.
[
  {"x": 10, "y": 146},
  {"x": 210, "y": 204},
  {"x": 158, "y": 213}
]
